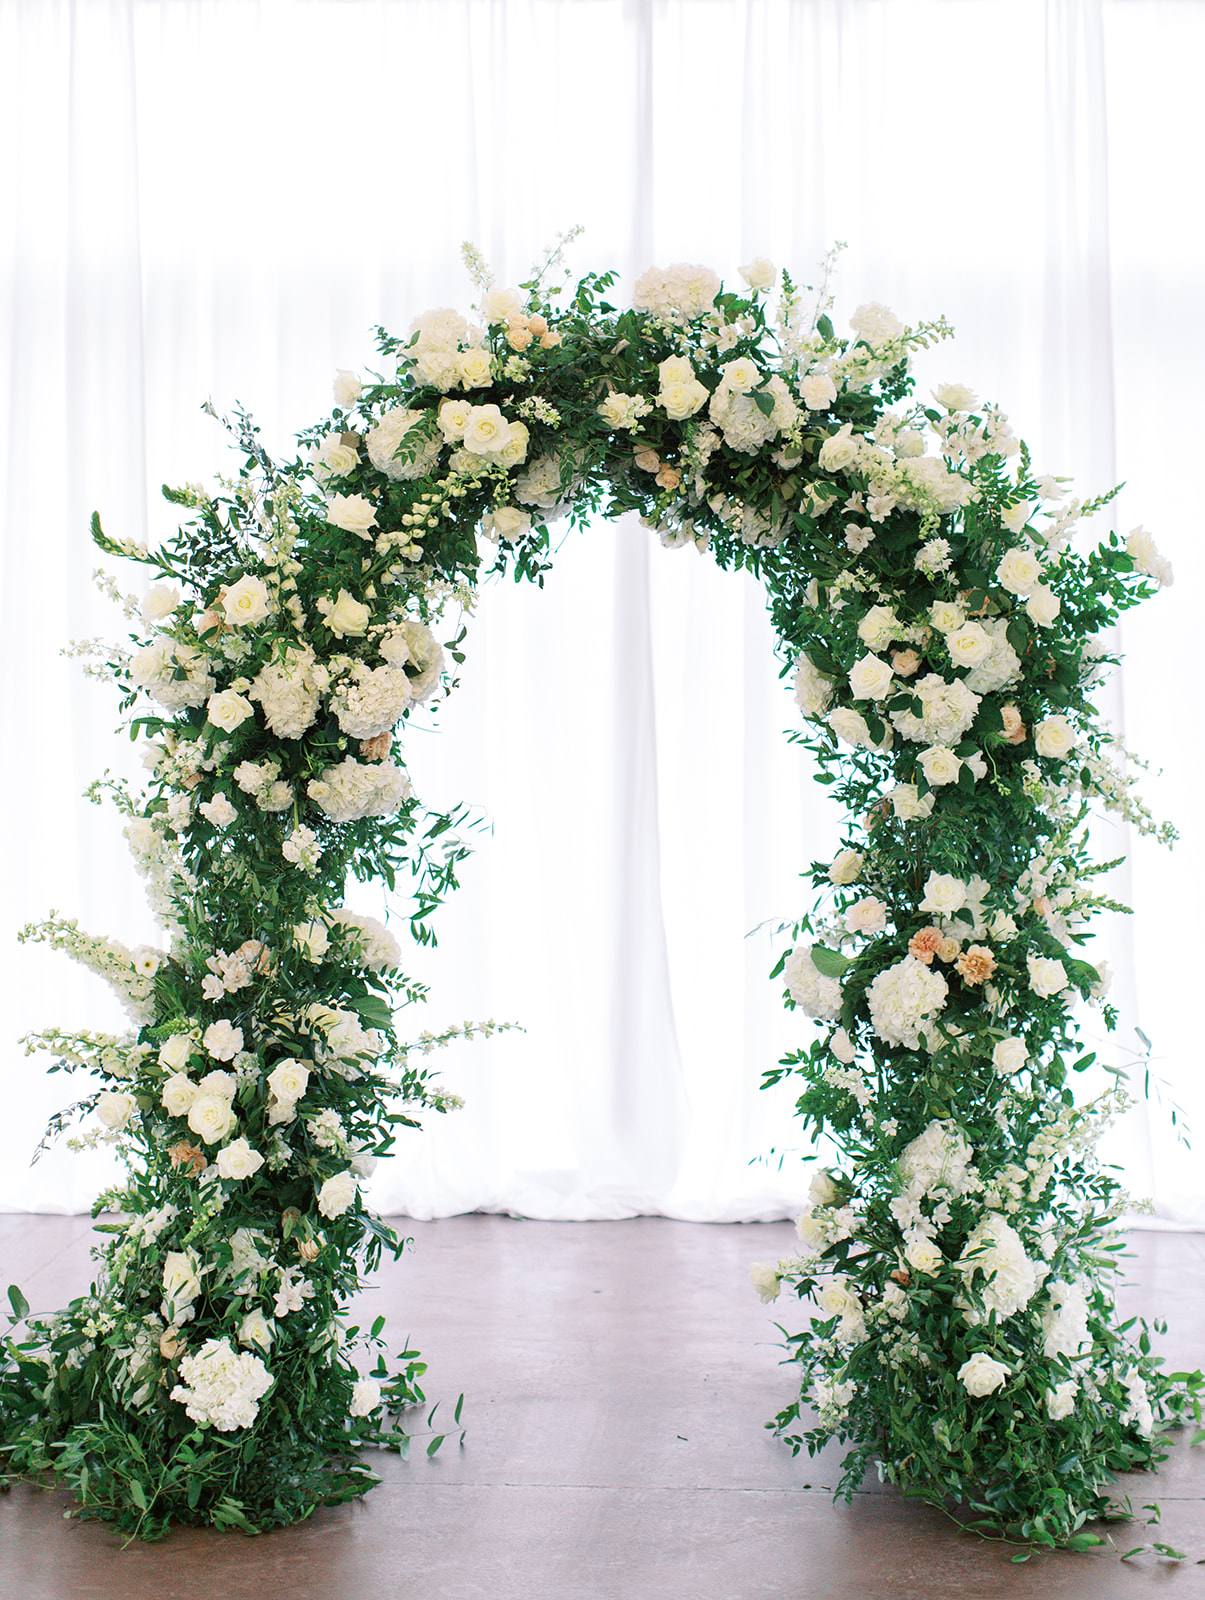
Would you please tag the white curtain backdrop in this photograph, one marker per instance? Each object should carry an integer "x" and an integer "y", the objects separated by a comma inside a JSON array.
[{"x": 221, "y": 198}]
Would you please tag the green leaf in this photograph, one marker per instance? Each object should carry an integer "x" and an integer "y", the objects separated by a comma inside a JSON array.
[
  {"x": 1084, "y": 1541},
  {"x": 829, "y": 962},
  {"x": 18, "y": 1301},
  {"x": 764, "y": 402}
]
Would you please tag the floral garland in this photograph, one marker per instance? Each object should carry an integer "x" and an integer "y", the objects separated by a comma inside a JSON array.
[{"x": 944, "y": 636}]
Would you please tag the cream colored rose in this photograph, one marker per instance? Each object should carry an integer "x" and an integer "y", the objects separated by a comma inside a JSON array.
[
  {"x": 337, "y": 1194},
  {"x": 475, "y": 368},
  {"x": 674, "y": 369},
  {"x": 1043, "y": 605},
  {"x": 1015, "y": 517},
  {"x": 211, "y": 1117},
  {"x": 1009, "y": 1056},
  {"x": 246, "y": 602},
  {"x": 871, "y": 679},
  {"x": 1060, "y": 1401},
  {"x": 867, "y": 916},
  {"x": 981, "y": 1375},
  {"x": 486, "y": 431},
  {"x": 238, "y": 1160},
  {"x": 845, "y": 868},
  {"x": 955, "y": 396},
  {"x": 851, "y": 726},
  {"x": 354, "y": 513},
  {"x": 114, "y": 1108},
  {"x": 1019, "y": 570},
  {"x": 508, "y": 522},
  {"x": 347, "y": 617},
  {"x": 514, "y": 452},
  {"x": 181, "y": 1284},
  {"x": 228, "y": 710},
  {"x": 178, "y": 1095},
  {"x": 822, "y": 1191},
  {"x": 1053, "y": 737},
  {"x": 940, "y": 765},
  {"x": 365, "y": 1398}
]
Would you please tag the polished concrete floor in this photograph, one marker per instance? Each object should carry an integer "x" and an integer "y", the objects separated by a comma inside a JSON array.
[{"x": 616, "y": 1376}]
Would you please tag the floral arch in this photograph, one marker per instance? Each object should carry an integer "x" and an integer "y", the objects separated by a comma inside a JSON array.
[{"x": 943, "y": 629}]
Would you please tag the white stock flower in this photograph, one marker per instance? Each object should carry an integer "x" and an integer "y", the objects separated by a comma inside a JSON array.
[{"x": 219, "y": 811}]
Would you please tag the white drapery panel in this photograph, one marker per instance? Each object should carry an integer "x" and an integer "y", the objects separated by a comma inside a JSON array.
[{"x": 222, "y": 198}]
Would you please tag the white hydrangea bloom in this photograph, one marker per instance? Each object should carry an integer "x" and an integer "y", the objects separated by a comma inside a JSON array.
[{"x": 902, "y": 998}]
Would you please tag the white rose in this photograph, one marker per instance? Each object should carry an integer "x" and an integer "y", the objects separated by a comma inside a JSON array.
[
  {"x": 818, "y": 391},
  {"x": 940, "y": 765},
  {"x": 922, "y": 1255},
  {"x": 211, "y": 1117},
  {"x": 870, "y": 679},
  {"x": 955, "y": 396},
  {"x": 946, "y": 615},
  {"x": 1009, "y": 1056},
  {"x": 160, "y": 600},
  {"x": 682, "y": 400},
  {"x": 867, "y": 916},
  {"x": 176, "y": 1052},
  {"x": 500, "y": 305},
  {"x": 1060, "y": 1401},
  {"x": 347, "y": 617},
  {"x": 908, "y": 804},
  {"x": 970, "y": 645},
  {"x": 740, "y": 375},
  {"x": 508, "y": 522},
  {"x": 347, "y": 388},
  {"x": 1018, "y": 571},
  {"x": 763, "y": 1275},
  {"x": 1043, "y": 605},
  {"x": 845, "y": 868},
  {"x": 1046, "y": 976},
  {"x": 255, "y": 1328},
  {"x": 238, "y": 1160},
  {"x": 288, "y": 1080},
  {"x": 181, "y": 1284},
  {"x": 114, "y": 1109},
  {"x": 851, "y": 726},
  {"x": 944, "y": 895},
  {"x": 839, "y": 450},
  {"x": 475, "y": 368},
  {"x": 822, "y": 1191},
  {"x": 454, "y": 419},
  {"x": 1053, "y": 737},
  {"x": 365, "y": 1398},
  {"x": 842, "y": 1046},
  {"x": 1015, "y": 517},
  {"x": 981, "y": 1375},
  {"x": 337, "y": 1194},
  {"x": 875, "y": 323},
  {"x": 351, "y": 512},
  {"x": 759, "y": 274},
  {"x": 1142, "y": 547},
  {"x": 487, "y": 430},
  {"x": 246, "y": 602},
  {"x": 178, "y": 1094},
  {"x": 312, "y": 940},
  {"x": 228, "y": 709}
]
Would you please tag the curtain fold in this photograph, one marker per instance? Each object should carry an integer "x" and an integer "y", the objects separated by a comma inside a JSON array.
[{"x": 221, "y": 199}]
